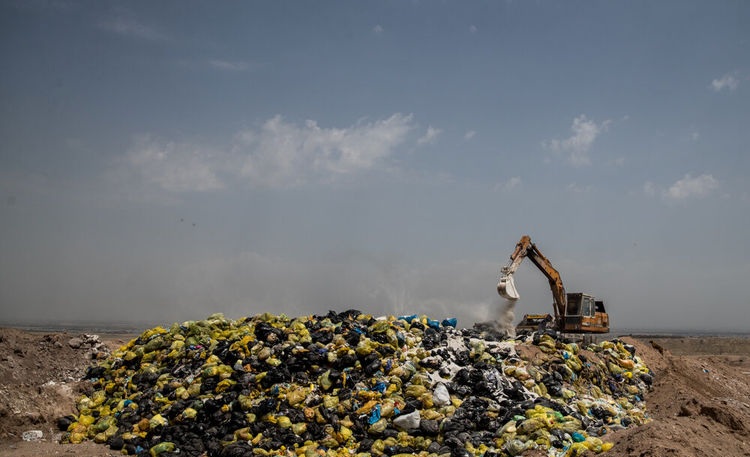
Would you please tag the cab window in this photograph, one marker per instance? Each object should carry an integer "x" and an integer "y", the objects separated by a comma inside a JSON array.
[
  {"x": 574, "y": 308},
  {"x": 588, "y": 306}
]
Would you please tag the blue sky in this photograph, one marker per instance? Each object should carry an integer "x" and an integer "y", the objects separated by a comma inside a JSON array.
[{"x": 163, "y": 161}]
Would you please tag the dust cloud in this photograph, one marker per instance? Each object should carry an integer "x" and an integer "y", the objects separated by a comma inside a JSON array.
[{"x": 504, "y": 316}]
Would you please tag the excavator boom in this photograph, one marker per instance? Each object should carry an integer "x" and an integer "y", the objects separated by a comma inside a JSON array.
[{"x": 506, "y": 286}]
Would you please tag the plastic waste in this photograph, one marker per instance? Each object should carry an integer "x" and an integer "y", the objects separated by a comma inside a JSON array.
[
  {"x": 441, "y": 396},
  {"x": 161, "y": 448},
  {"x": 577, "y": 437},
  {"x": 407, "y": 421},
  {"x": 32, "y": 435},
  {"x": 515, "y": 447},
  {"x": 374, "y": 415},
  {"x": 348, "y": 383},
  {"x": 450, "y": 322}
]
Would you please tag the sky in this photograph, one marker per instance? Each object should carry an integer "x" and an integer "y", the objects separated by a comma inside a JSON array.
[{"x": 163, "y": 161}]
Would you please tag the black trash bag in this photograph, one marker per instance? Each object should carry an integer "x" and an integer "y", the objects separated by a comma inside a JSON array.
[
  {"x": 95, "y": 372},
  {"x": 431, "y": 338},
  {"x": 265, "y": 406},
  {"x": 64, "y": 422},
  {"x": 365, "y": 445},
  {"x": 265, "y": 332},
  {"x": 116, "y": 442},
  {"x": 429, "y": 427},
  {"x": 238, "y": 450}
]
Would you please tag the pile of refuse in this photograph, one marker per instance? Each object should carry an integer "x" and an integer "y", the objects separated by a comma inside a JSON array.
[{"x": 347, "y": 383}]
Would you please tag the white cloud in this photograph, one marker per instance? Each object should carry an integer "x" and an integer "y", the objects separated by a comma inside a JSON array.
[
  {"x": 282, "y": 154},
  {"x": 577, "y": 188},
  {"x": 695, "y": 136},
  {"x": 229, "y": 65},
  {"x": 470, "y": 134},
  {"x": 729, "y": 81},
  {"x": 473, "y": 28},
  {"x": 688, "y": 187},
  {"x": 430, "y": 136},
  {"x": 510, "y": 184},
  {"x": 175, "y": 167},
  {"x": 378, "y": 29},
  {"x": 126, "y": 25},
  {"x": 585, "y": 132},
  {"x": 278, "y": 154}
]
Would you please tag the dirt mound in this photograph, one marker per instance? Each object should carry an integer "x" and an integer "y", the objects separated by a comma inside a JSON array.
[
  {"x": 699, "y": 405},
  {"x": 718, "y": 413}
]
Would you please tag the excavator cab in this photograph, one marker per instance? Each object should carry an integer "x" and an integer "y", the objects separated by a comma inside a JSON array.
[{"x": 585, "y": 314}]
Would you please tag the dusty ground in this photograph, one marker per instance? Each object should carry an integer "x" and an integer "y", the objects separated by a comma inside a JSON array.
[
  {"x": 700, "y": 404},
  {"x": 701, "y": 401},
  {"x": 39, "y": 375}
]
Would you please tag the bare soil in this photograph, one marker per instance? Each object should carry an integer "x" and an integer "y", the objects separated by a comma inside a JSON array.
[
  {"x": 40, "y": 381},
  {"x": 700, "y": 403}
]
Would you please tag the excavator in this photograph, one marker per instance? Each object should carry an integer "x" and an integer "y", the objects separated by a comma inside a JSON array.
[{"x": 574, "y": 312}]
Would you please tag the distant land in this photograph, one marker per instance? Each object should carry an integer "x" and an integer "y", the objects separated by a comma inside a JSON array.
[{"x": 137, "y": 327}]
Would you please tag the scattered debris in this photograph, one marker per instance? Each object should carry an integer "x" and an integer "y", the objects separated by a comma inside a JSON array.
[{"x": 32, "y": 435}]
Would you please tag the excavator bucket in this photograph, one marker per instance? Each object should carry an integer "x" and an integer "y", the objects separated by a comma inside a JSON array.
[{"x": 506, "y": 287}]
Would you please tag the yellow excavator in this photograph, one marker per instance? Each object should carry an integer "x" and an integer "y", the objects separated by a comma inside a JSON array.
[{"x": 574, "y": 312}]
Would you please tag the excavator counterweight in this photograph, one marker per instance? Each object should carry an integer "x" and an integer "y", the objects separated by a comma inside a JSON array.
[{"x": 574, "y": 312}]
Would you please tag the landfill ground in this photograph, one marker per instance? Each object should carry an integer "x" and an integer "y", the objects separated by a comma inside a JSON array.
[{"x": 700, "y": 403}]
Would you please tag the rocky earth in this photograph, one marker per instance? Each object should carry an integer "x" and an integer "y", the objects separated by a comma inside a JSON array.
[
  {"x": 40, "y": 377},
  {"x": 699, "y": 403}
]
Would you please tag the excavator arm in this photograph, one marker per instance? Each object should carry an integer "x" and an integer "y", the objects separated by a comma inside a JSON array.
[{"x": 525, "y": 248}]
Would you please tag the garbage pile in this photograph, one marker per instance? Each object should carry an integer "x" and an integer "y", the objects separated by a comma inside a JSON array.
[{"x": 347, "y": 383}]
